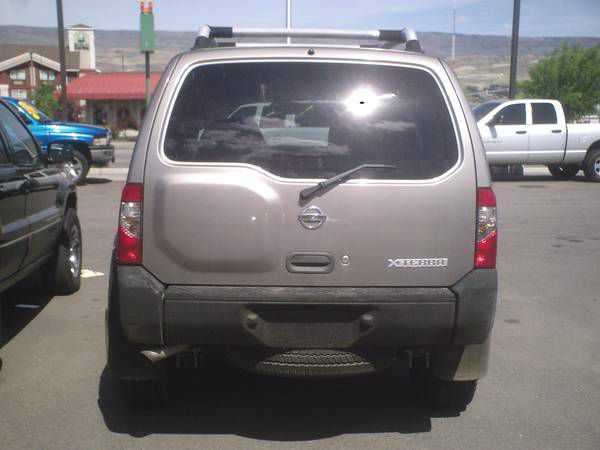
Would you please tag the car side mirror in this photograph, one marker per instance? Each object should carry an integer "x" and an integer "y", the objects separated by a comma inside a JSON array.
[{"x": 59, "y": 153}]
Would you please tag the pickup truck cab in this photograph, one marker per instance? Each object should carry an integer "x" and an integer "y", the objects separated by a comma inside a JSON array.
[
  {"x": 536, "y": 132},
  {"x": 91, "y": 144}
]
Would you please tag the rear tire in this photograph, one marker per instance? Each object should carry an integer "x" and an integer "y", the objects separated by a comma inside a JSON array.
[
  {"x": 515, "y": 170},
  {"x": 563, "y": 171},
  {"x": 591, "y": 165},
  {"x": 63, "y": 272},
  {"x": 144, "y": 394}
]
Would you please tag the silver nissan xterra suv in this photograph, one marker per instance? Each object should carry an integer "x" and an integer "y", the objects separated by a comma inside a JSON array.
[{"x": 306, "y": 211}]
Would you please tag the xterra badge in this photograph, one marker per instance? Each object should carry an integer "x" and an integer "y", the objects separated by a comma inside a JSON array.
[{"x": 417, "y": 263}]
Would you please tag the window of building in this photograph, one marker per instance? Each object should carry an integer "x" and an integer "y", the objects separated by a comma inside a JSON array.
[
  {"x": 18, "y": 75},
  {"x": 47, "y": 75},
  {"x": 21, "y": 94}
]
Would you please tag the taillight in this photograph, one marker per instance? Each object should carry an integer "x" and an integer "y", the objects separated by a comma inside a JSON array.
[
  {"x": 129, "y": 235},
  {"x": 487, "y": 233}
]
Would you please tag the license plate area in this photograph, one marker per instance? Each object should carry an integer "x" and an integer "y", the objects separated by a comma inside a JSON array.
[{"x": 302, "y": 326}]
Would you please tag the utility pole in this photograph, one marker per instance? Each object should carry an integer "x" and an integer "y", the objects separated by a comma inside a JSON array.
[
  {"x": 288, "y": 18},
  {"x": 147, "y": 39},
  {"x": 122, "y": 52},
  {"x": 63, "y": 62},
  {"x": 514, "y": 49},
  {"x": 453, "y": 32}
]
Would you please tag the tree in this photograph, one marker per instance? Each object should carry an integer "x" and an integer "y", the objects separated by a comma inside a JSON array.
[
  {"x": 44, "y": 99},
  {"x": 570, "y": 75}
]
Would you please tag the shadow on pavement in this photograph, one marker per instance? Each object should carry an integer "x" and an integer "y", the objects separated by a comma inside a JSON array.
[
  {"x": 20, "y": 305},
  {"x": 94, "y": 180},
  {"x": 219, "y": 399},
  {"x": 528, "y": 178}
]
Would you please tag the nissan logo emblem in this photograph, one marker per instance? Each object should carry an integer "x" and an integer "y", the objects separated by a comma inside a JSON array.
[{"x": 312, "y": 218}]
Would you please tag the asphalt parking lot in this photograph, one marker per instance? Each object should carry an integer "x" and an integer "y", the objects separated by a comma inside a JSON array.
[{"x": 542, "y": 392}]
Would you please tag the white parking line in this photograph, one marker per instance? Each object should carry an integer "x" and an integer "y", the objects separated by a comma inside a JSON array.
[
  {"x": 87, "y": 273},
  {"x": 112, "y": 173},
  {"x": 535, "y": 170}
]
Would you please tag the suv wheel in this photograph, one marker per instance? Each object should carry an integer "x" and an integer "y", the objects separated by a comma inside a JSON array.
[
  {"x": 562, "y": 171},
  {"x": 79, "y": 167},
  {"x": 144, "y": 394},
  {"x": 63, "y": 271},
  {"x": 591, "y": 165}
]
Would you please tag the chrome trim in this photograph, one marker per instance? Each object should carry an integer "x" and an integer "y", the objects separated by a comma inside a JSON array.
[
  {"x": 20, "y": 238},
  {"x": 30, "y": 233},
  {"x": 312, "y": 217}
]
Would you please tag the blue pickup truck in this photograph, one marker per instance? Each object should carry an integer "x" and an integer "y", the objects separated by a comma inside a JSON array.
[{"x": 91, "y": 144}]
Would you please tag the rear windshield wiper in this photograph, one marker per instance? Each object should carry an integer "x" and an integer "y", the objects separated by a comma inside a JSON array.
[{"x": 340, "y": 178}]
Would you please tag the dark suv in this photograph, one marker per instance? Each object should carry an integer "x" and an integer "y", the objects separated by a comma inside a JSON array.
[
  {"x": 306, "y": 211},
  {"x": 39, "y": 228}
]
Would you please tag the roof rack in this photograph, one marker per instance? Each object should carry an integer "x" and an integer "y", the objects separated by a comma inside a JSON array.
[{"x": 207, "y": 35}]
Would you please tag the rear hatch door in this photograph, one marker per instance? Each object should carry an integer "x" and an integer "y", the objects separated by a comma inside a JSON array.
[{"x": 222, "y": 204}]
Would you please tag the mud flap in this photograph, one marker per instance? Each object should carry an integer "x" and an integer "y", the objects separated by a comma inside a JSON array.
[
  {"x": 125, "y": 360},
  {"x": 461, "y": 363}
]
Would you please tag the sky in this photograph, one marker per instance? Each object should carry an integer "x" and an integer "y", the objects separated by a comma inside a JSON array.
[{"x": 538, "y": 17}]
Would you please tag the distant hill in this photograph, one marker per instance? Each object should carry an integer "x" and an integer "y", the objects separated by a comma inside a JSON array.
[
  {"x": 482, "y": 60},
  {"x": 171, "y": 42}
]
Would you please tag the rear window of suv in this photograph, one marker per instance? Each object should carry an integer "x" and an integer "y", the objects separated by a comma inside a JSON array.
[{"x": 313, "y": 120}]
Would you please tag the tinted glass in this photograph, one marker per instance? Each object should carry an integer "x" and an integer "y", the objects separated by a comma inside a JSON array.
[
  {"x": 481, "y": 110},
  {"x": 21, "y": 146},
  {"x": 313, "y": 120},
  {"x": 20, "y": 113},
  {"x": 511, "y": 115},
  {"x": 543, "y": 113},
  {"x": 3, "y": 154},
  {"x": 35, "y": 113}
]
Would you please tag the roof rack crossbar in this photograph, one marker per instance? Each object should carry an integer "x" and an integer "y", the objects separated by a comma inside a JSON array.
[{"x": 207, "y": 35}]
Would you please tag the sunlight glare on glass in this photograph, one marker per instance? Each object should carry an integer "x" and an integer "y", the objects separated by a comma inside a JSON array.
[{"x": 362, "y": 102}]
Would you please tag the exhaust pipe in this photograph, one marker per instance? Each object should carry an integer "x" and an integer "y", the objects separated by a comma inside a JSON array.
[{"x": 158, "y": 354}]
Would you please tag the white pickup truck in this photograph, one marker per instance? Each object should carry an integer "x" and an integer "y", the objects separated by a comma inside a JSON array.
[{"x": 523, "y": 132}]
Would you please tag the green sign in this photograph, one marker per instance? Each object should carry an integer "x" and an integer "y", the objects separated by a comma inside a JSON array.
[{"x": 147, "y": 32}]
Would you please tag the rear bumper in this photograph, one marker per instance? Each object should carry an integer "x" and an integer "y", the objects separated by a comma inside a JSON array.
[
  {"x": 303, "y": 317},
  {"x": 102, "y": 154}
]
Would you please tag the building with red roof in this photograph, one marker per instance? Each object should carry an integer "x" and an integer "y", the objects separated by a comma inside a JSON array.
[
  {"x": 112, "y": 99},
  {"x": 25, "y": 67}
]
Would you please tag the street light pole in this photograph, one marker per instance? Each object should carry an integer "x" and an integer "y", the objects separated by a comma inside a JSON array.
[
  {"x": 288, "y": 18},
  {"x": 147, "y": 40},
  {"x": 514, "y": 49},
  {"x": 122, "y": 52},
  {"x": 63, "y": 62},
  {"x": 454, "y": 32}
]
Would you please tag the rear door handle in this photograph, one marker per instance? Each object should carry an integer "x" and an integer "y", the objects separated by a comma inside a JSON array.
[
  {"x": 521, "y": 132},
  {"x": 310, "y": 262},
  {"x": 557, "y": 131}
]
